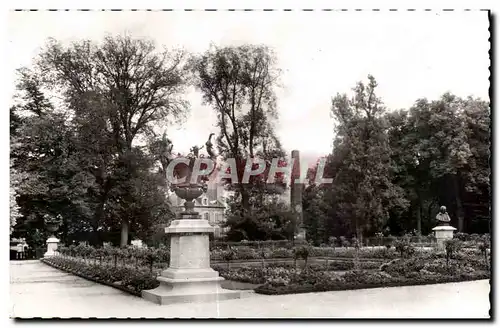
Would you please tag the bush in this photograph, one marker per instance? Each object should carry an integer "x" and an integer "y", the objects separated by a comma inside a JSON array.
[
  {"x": 281, "y": 253},
  {"x": 452, "y": 246},
  {"x": 344, "y": 242},
  {"x": 404, "y": 247}
]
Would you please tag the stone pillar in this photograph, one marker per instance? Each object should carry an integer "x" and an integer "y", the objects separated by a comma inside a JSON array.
[
  {"x": 51, "y": 246},
  {"x": 296, "y": 196},
  {"x": 443, "y": 233},
  {"x": 189, "y": 277}
]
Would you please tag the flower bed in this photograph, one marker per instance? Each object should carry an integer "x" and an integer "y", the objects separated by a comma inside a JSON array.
[
  {"x": 415, "y": 268},
  {"x": 128, "y": 279},
  {"x": 428, "y": 268},
  {"x": 158, "y": 257},
  {"x": 371, "y": 282}
]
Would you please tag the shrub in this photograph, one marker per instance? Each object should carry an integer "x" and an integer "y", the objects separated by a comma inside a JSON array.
[
  {"x": 228, "y": 255},
  {"x": 452, "y": 246},
  {"x": 404, "y": 247},
  {"x": 301, "y": 252},
  {"x": 134, "y": 280},
  {"x": 344, "y": 242},
  {"x": 341, "y": 265},
  {"x": 462, "y": 236},
  {"x": 281, "y": 253}
]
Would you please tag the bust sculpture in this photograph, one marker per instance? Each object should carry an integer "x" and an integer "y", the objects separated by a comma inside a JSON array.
[{"x": 442, "y": 217}]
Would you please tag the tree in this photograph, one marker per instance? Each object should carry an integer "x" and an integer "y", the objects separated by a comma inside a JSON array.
[
  {"x": 317, "y": 212},
  {"x": 127, "y": 86},
  {"x": 238, "y": 82},
  {"x": 453, "y": 152},
  {"x": 273, "y": 220},
  {"x": 362, "y": 184},
  {"x": 13, "y": 193}
]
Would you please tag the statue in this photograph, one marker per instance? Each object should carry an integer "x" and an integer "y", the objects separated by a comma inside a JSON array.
[
  {"x": 195, "y": 150},
  {"x": 442, "y": 217},
  {"x": 166, "y": 151},
  {"x": 210, "y": 147}
]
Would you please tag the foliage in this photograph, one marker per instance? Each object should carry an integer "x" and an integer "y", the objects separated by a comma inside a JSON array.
[
  {"x": 51, "y": 219},
  {"x": 15, "y": 180},
  {"x": 270, "y": 220},
  {"x": 80, "y": 154},
  {"x": 404, "y": 247},
  {"x": 428, "y": 268},
  {"x": 392, "y": 170},
  {"x": 361, "y": 162},
  {"x": 452, "y": 246},
  {"x": 238, "y": 82},
  {"x": 301, "y": 252},
  {"x": 132, "y": 279}
]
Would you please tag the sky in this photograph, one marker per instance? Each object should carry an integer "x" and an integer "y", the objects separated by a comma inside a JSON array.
[{"x": 412, "y": 55}]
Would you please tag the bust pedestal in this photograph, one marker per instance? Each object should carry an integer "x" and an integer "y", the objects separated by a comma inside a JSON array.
[
  {"x": 189, "y": 277},
  {"x": 443, "y": 233},
  {"x": 51, "y": 246}
]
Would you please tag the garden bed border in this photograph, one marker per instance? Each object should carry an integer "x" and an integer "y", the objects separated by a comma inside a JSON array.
[{"x": 78, "y": 274}]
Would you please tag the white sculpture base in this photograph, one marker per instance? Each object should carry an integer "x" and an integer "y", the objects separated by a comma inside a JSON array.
[
  {"x": 189, "y": 277},
  {"x": 51, "y": 247},
  {"x": 442, "y": 234}
]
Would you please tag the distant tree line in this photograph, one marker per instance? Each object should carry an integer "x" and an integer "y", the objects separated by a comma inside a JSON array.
[
  {"x": 86, "y": 138},
  {"x": 393, "y": 169}
]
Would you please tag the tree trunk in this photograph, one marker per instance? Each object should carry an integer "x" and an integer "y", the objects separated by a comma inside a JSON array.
[
  {"x": 124, "y": 233},
  {"x": 459, "y": 208},
  {"x": 419, "y": 217},
  {"x": 245, "y": 198},
  {"x": 359, "y": 232}
]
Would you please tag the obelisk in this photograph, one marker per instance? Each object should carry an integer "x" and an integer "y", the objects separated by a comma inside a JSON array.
[{"x": 296, "y": 197}]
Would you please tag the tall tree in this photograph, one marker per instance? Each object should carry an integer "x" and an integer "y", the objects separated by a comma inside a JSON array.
[
  {"x": 128, "y": 87},
  {"x": 239, "y": 83},
  {"x": 453, "y": 149},
  {"x": 363, "y": 186}
]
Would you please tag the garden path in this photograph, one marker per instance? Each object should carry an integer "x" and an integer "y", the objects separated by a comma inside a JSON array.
[{"x": 37, "y": 290}]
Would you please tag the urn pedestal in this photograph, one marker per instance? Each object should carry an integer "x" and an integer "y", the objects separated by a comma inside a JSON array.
[
  {"x": 52, "y": 243},
  {"x": 443, "y": 233},
  {"x": 189, "y": 277}
]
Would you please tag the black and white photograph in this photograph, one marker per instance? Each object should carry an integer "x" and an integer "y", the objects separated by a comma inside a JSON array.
[{"x": 216, "y": 164}]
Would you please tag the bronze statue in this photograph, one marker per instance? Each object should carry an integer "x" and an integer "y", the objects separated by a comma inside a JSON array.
[
  {"x": 210, "y": 147},
  {"x": 195, "y": 150},
  {"x": 442, "y": 217},
  {"x": 166, "y": 147}
]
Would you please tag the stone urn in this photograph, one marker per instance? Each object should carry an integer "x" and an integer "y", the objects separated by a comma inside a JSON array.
[
  {"x": 52, "y": 227},
  {"x": 189, "y": 192}
]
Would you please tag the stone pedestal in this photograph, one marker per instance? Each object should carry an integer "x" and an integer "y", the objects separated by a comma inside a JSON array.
[
  {"x": 189, "y": 277},
  {"x": 51, "y": 246},
  {"x": 443, "y": 233}
]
